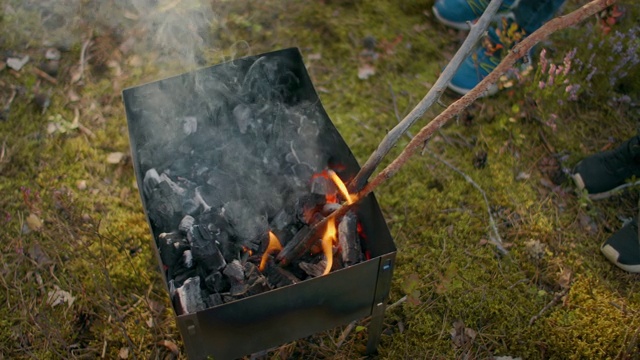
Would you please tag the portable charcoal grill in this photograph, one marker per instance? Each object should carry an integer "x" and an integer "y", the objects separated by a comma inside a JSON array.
[{"x": 243, "y": 139}]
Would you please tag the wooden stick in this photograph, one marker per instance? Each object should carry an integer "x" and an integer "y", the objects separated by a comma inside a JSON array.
[{"x": 293, "y": 250}]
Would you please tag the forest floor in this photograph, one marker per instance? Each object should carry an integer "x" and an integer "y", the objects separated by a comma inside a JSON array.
[{"x": 78, "y": 273}]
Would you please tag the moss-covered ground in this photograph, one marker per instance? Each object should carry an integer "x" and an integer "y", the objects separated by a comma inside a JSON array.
[{"x": 78, "y": 276}]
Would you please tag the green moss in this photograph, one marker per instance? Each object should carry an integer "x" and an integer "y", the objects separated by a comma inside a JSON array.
[{"x": 98, "y": 241}]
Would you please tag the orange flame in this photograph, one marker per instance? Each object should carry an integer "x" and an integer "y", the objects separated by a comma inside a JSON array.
[
  {"x": 328, "y": 239},
  {"x": 341, "y": 186},
  {"x": 274, "y": 245}
]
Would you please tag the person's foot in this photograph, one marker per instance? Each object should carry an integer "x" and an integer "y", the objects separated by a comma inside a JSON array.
[
  {"x": 623, "y": 248},
  {"x": 605, "y": 173},
  {"x": 459, "y": 13},
  {"x": 486, "y": 57}
]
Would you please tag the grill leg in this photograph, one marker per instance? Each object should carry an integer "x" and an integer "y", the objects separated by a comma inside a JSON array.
[{"x": 375, "y": 328}]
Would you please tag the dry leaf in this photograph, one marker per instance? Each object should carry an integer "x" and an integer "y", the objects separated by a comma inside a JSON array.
[
  {"x": 59, "y": 296},
  {"x": 170, "y": 345},
  {"x": 34, "y": 222},
  {"x": 564, "y": 280},
  {"x": 123, "y": 353},
  {"x": 365, "y": 71},
  {"x": 115, "y": 157},
  {"x": 150, "y": 321},
  {"x": 461, "y": 335}
]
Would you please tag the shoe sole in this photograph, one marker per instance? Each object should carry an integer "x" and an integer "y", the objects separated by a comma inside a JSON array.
[
  {"x": 612, "y": 255},
  {"x": 577, "y": 179}
]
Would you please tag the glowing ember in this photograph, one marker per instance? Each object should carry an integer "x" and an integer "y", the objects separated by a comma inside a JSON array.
[
  {"x": 274, "y": 245},
  {"x": 328, "y": 239},
  {"x": 341, "y": 186}
]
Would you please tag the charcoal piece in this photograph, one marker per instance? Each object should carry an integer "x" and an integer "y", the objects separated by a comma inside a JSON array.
[
  {"x": 239, "y": 290},
  {"x": 308, "y": 205},
  {"x": 213, "y": 300},
  {"x": 301, "y": 171},
  {"x": 205, "y": 252},
  {"x": 190, "y": 206},
  {"x": 165, "y": 208},
  {"x": 189, "y": 297},
  {"x": 199, "y": 200},
  {"x": 257, "y": 285},
  {"x": 212, "y": 225},
  {"x": 278, "y": 276},
  {"x": 216, "y": 282},
  {"x": 150, "y": 181},
  {"x": 177, "y": 189},
  {"x": 186, "y": 223},
  {"x": 322, "y": 185},
  {"x": 351, "y": 252},
  {"x": 249, "y": 226},
  {"x": 234, "y": 272},
  {"x": 221, "y": 188},
  {"x": 313, "y": 270},
  {"x": 187, "y": 259},
  {"x": 171, "y": 247},
  {"x": 227, "y": 297},
  {"x": 281, "y": 220}
]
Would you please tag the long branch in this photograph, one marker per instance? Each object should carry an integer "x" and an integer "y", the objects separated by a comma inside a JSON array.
[
  {"x": 292, "y": 250},
  {"x": 432, "y": 96}
]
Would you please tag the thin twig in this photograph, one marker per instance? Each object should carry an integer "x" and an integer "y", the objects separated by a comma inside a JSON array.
[
  {"x": 551, "y": 303},
  {"x": 345, "y": 334},
  {"x": 45, "y": 76},
  {"x": 402, "y": 299},
  {"x": 495, "y": 239}
]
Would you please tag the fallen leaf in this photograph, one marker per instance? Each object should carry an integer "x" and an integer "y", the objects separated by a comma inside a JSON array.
[
  {"x": 123, "y": 353},
  {"x": 17, "y": 63},
  {"x": 59, "y": 296},
  {"x": 170, "y": 345},
  {"x": 81, "y": 184},
  {"x": 150, "y": 322},
  {"x": 34, "y": 222},
  {"x": 564, "y": 280},
  {"x": 365, "y": 71},
  {"x": 115, "y": 157},
  {"x": 462, "y": 335}
]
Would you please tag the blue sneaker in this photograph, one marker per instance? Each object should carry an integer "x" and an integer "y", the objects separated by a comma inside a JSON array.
[
  {"x": 458, "y": 13},
  {"x": 479, "y": 64}
]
